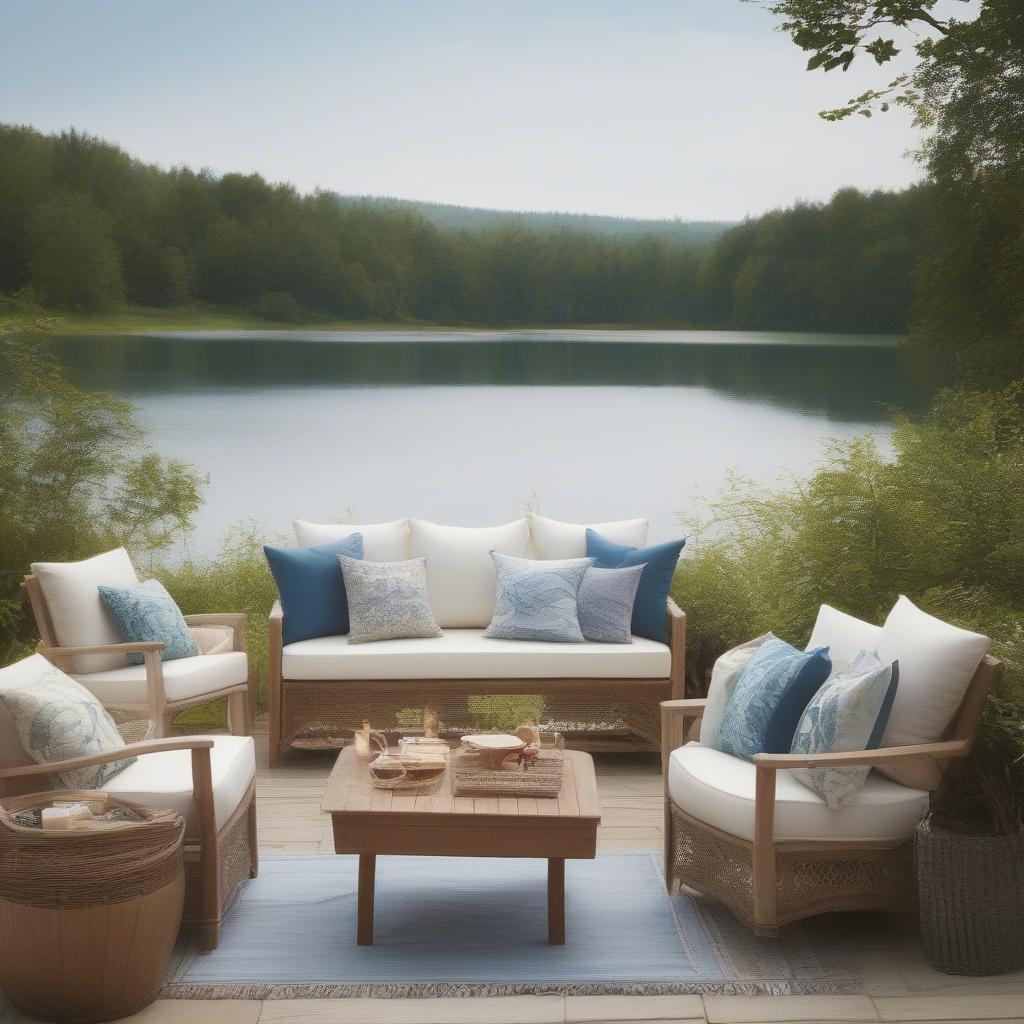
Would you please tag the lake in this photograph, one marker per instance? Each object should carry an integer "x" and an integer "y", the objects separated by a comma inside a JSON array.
[{"x": 473, "y": 427}]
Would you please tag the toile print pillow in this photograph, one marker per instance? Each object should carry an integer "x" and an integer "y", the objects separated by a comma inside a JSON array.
[
  {"x": 58, "y": 719},
  {"x": 387, "y": 600}
]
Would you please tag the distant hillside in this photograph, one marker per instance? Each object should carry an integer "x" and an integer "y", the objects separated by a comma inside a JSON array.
[{"x": 446, "y": 215}]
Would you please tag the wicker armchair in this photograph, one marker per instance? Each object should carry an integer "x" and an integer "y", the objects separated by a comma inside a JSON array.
[
  {"x": 210, "y": 780},
  {"x": 158, "y": 689},
  {"x": 768, "y": 881}
]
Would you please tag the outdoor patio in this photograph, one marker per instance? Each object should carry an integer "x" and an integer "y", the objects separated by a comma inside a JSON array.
[{"x": 898, "y": 984}]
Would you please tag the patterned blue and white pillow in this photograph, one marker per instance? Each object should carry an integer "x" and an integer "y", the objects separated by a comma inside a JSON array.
[
  {"x": 770, "y": 696},
  {"x": 147, "y": 613},
  {"x": 849, "y": 712},
  {"x": 57, "y": 719},
  {"x": 387, "y": 600},
  {"x": 605, "y": 603},
  {"x": 536, "y": 600}
]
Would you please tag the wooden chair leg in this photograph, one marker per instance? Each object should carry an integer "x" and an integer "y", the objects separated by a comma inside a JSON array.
[
  {"x": 254, "y": 846},
  {"x": 238, "y": 717}
]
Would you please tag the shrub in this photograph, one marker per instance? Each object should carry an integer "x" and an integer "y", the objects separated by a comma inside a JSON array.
[
  {"x": 281, "y": 307},
  {"x": 941, "y": 521}
]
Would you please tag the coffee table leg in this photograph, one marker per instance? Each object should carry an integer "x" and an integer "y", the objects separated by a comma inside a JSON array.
[
  {"x": 556, "y": 901},
  {"x": 364, "y": 907}
]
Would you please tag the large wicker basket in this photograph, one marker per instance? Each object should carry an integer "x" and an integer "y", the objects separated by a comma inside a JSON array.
[
  {"x": 971, "y": 898},
  {"x": 88, "y": 917}
]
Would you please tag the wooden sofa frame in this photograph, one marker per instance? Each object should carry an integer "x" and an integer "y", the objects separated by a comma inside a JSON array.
[
  {"x": 767, "y": 883},
  {"x": 606, "y": 714},
  {"x": 216, "y": 861},
  {"x": 157, "y": 707}
]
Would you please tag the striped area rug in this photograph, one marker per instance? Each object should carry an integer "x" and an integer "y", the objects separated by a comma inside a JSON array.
[{"x": 470, "y": 927}]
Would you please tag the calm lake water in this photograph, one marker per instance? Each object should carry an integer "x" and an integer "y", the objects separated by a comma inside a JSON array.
[{"x": 470, "y": 427}]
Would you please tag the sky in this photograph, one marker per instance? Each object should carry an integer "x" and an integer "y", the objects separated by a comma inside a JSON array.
[{"x": 695, "y": 109}]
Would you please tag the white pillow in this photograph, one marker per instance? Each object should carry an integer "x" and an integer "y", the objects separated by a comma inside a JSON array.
[
  {"x": 460, "y": 571},
  {"x": 382, "y": 542},
  {"x": 80, "y": 618},
  {"x": 724, "y": 674},
  {"x": 214, "y": 639},
  {"x": 551, "y": 538},
  {"x": 937, "y": 662},
  {"x": 843, "y": 635}
]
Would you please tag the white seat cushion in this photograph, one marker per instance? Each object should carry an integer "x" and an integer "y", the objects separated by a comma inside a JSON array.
[
  {"x": 937, "y": 662},
  {"x": 460, "y": 572},
  {"x": 844, "y": 635},
  {"x": 552, "y": 538},
  {"x": 382, "y": 542},
  {"x": 718, "y": 789},
  {"x": 80, "y": 618},
  {"x": 164, "y": 779},
  {"x": 183, "y": 678},
  {"x": 467, "y": 654}
]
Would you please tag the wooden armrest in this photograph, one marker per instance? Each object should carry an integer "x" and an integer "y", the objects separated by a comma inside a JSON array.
[
  {"x": 106, "y": 756},
  {"x": 943, "y": 751},
  {"x": 130, "y": 648},
  {"x": 674, "y": 611},
  {"x": 233, "y": 619},
  {"x": 275, "y": 611},
  {"x": 691, "y": 707}
]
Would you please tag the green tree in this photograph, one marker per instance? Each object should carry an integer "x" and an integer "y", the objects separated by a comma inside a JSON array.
[
  {"x": 967, "y": 92},
  {"x": 76, "y": 476},
  {"x": 73, "y": 262}
]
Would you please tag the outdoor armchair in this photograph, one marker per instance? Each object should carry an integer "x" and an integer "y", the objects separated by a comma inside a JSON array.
[
  {"x": 77, "y": 636},
  {"x": 753, "y": 837},
  {"x": 209, "y": 780}
]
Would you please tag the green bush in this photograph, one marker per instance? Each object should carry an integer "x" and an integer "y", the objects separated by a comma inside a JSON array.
[
  {"x": 941, "y": 521},
  {"x": 281, "y": 307}
]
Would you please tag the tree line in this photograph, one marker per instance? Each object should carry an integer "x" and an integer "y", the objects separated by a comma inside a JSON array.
[{"x": 88, "y": 228}]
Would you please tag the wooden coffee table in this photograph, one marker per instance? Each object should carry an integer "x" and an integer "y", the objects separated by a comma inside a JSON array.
[{"x": 432, "y": 822}]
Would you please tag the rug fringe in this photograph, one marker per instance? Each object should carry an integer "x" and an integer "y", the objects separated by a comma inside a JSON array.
[{"x": 465, "y": 990}]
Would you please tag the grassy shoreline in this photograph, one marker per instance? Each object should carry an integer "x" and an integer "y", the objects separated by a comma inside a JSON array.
[{"x": 221, "y": 318}]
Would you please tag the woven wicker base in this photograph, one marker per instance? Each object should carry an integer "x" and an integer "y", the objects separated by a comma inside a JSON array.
[
  {"x": 602, "y": 714},
  {"x": 235, "y": 866},
  {"x": 543, "y": 779},
  {"x": 811, "y": 878}
]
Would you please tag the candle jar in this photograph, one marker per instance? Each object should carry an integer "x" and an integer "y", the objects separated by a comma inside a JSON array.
[
  {"x": 430, "y": 723},
  {"x": 363, "y": 740}
]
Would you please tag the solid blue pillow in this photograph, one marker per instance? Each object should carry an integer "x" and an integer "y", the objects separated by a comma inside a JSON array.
[
  {"x": 770, "y": 696},
  {"x": 650, "y": 606},
  {"x": 311, "y": 587}
]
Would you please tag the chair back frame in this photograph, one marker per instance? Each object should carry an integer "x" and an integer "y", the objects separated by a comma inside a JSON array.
[{"x": 44, "y": 621}]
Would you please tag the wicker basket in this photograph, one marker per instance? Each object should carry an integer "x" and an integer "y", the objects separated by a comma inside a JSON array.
[
  {"x": 971, "y": 898},
  {"x": 88, "y": 917}
]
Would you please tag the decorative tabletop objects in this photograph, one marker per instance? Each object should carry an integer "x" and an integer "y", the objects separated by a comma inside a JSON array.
[
  {"x": 494, "y": 747},
  {"x": 490, "y": 764}
]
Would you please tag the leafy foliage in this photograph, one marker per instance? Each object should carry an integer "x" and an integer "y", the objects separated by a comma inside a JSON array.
[
  {"x": 76, "y": 476},
  {"x": 941, "y": 522},
  {"x": 86, "y": 227}
]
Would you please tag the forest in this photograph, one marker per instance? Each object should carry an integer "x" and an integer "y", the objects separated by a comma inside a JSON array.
[{"x": 87, "y": 228}]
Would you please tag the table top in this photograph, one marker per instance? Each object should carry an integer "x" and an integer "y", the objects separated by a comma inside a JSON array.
[{"x": 350, "y": 792}]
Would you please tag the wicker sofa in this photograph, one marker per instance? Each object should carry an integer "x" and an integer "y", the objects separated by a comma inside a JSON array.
[{"x": 601, "y": 696}]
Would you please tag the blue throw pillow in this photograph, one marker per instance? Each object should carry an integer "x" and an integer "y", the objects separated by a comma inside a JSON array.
[
  {"x": 650, "y": 607},
  {"x": 605, "y": 603},
  {"x": 312, "y": 588},
  {"x": 536, "y": 599},
  {"x": 146, "y": 613},
  {"x": 770, "y": 696}
]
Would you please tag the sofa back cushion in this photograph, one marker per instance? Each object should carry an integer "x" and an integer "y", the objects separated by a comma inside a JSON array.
[
  {"x": 80, "y": 619},
  {"x": 843, "y": 635},
  {"x": 460, "y": 572},
  {"x": 551, "y": 538},
  {"x": 382, "y": 542},
  {"x": 937, "y": 662}
]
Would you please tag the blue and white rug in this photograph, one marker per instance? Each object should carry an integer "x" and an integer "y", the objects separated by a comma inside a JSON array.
[{"x": 461, "y": 927}]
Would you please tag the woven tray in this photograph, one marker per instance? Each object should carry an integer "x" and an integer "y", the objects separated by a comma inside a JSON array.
[{"x": 543, "y": 778}]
